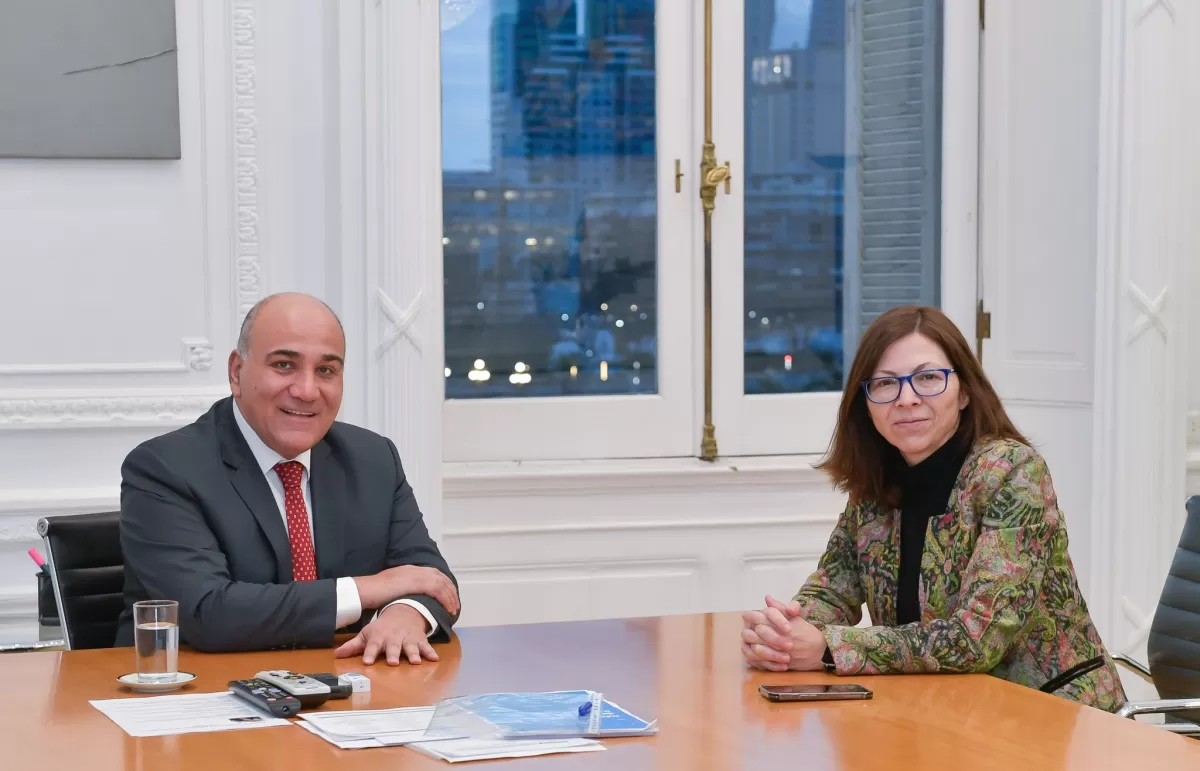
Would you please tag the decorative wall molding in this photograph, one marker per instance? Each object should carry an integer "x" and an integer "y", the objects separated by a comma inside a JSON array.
[
  {"x": 18, "y": 606},
  {"x": 583, "y": 590},
  {"x": 392, "y": 193},
  {"x": 199, "y": 353},
  {"x": 21, "y": 509},
  {"x": 537, "y": 542},
  {"x": 1147, "y": 192},
  {"x": 133, "y": 407},
  {"x": 401, "y": 320},
  {"x": 1154, "y": 5},
  {"x": 247, "y": 251},
  {"x": 692, "y": 524},
  {"x": 569, "y": 569},
  {"x": 196, "y": 356},
  {"x": 1151, "y": 312},
  {"x": 631, "y": 477}
]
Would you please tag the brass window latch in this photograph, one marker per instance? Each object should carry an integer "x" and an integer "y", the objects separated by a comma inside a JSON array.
[
  {"x": 712, "y": 175},
  {"x": 983, "y": 329}
]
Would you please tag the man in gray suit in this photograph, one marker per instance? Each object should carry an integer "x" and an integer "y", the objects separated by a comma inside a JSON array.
[{"x": 271, "y": 524}]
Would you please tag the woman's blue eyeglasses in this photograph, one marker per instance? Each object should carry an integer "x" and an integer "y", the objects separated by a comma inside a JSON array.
[{"x": 927, "y": 382}]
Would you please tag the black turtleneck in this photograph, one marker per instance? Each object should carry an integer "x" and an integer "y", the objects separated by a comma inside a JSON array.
[{"x": 924, "y": 493}]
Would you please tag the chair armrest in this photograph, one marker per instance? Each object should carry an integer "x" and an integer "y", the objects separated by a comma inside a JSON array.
[
  {"x": 1158, "y": 707},
  {"x": 1183, "y": 729},
  {"x": 1136, "y": 666}
]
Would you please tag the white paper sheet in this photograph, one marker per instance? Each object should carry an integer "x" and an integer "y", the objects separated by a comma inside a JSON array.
[
  {"x": 463, "y": 750},
  {"x": 347, "y": 743},
  {"x": 185, "y": 714},
  {"x": 366, "y": 724}
]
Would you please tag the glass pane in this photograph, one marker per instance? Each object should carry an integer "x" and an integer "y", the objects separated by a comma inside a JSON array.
[
  {"x": 549, "y": 197},
  {"x": 842, "y": 109}
]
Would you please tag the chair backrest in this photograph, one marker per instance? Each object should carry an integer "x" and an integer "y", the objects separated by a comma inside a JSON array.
[
  {"x": 1174, "y": 644},
  {"x": 88, "y": 572}
]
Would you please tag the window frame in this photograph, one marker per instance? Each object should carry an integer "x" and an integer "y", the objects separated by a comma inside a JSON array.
[
  {"x": 803, "y": 423},
  {"x": 625, "y": 426},
  {"x": 668, "y": 424}
]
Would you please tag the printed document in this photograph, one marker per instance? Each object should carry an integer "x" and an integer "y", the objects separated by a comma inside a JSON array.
[
  {"x": 358, "y": 729},
  {"x": 185, "y": 714}
]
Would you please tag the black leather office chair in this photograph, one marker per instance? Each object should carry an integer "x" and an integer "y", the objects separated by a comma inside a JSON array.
[
  {"x": 88, "y": 573},
  {"x": 1174, "y": 644}
]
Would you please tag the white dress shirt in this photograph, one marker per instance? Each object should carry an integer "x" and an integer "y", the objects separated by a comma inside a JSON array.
[{"x": 349, "y": 604}]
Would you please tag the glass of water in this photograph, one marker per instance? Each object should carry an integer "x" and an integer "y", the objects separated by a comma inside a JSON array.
[{"x": 156, "y": 640}]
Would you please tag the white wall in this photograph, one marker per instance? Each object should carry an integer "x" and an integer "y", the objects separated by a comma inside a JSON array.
[{"x": 118, "y": 298}]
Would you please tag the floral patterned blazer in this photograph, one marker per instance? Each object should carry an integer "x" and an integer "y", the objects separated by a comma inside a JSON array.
[{"x": 998, "y": 592}]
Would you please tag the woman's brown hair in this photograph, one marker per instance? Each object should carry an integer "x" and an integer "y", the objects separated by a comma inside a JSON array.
[{"x": 860, "y": 461}]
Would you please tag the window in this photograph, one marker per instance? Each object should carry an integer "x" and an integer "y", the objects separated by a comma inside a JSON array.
[
  {"x": 573, "y": 266},
  {"x": 839, "y": 134}
]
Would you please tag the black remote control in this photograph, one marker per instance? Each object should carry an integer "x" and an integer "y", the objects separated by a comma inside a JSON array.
[
  {"x": 337, "y": 690},
  {"x": 266, "y": 696}
]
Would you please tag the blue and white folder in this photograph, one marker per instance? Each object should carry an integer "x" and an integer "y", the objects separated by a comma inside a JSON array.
[{"x": 554, "y": 714}]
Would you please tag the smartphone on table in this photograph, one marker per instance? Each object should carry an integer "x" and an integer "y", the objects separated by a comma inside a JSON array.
[{"x": 846, "y": 692}]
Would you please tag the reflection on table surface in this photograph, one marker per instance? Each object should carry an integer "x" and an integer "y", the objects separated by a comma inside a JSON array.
[
  {"x": 684, "y": 670},
  {"x": 27, "y": 634}
]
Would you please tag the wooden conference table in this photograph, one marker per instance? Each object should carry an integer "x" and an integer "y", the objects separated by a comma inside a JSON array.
[{"x": 685, "y": 670}]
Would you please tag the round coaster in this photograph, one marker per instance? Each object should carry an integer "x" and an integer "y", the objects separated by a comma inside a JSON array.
[{"x": 131, "y": 680}]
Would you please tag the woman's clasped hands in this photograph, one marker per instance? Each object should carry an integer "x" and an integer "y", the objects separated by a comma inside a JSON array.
[{"x": 778, "y": 639}]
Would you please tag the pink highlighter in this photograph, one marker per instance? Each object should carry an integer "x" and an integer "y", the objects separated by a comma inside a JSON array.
[{"x": 41, "y": 563}]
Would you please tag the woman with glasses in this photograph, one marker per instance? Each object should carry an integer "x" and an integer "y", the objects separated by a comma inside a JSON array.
[{"x": 952, "y": 536}]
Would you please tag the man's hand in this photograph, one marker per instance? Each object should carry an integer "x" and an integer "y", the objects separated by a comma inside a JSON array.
[
  {"x": 778, "y": 639},
  {"x": 392, "y": 584},
  {"x": 398, "y": 630}
]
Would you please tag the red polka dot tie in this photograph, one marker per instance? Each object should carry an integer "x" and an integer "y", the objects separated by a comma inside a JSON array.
[{"x": 304, "y": 560}]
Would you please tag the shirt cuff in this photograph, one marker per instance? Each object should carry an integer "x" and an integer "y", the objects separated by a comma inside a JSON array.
[
  {"x": 349, "y": 604},
  {"x": 433, "y": 625}
]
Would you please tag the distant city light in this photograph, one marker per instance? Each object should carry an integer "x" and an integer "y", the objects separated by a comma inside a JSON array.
[
  {"x": 753, "y": 315},
  {"x": 479, "y": 305},
  {"x": 787, "y": 362},
  {"x": 574, "y": 371},
  {"x": 566, "y": 317},
  {"x": 479, "y": 375},
  {"x": 766, "y": 321},
  {"x": 548, "y": 241},
  {"x": 447, "y": 372},
  {"x": 774, "y": 69},
  {"x": 480, "y": 195},
  {"x": 531, "y": 242},
  {"x": 637, "y": 380},
  {"x": 511, "y": 195},
  {"x": 603, "y": 306},
  {"x": 479, "y": 364},
  {"x": 445, "y": 241},
  {"x": 520, "y": 366},
  {"x": 642, "y": 317},
  {"x": 474, "y": 243},
  {"x": 589, "y": 354},
  {"x": 637, "y": 365},
  {"x": 620, "y": 323},
  {"x": 520, "y": 378},
  {"x": 604, "y": 370},
  {"x": 633, "y": 309}
]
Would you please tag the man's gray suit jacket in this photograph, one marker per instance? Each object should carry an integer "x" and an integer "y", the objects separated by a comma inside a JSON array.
[{"x": 199, "y": 525}]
